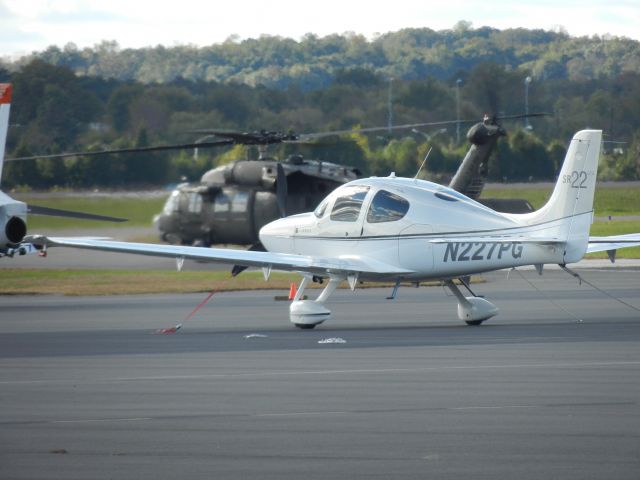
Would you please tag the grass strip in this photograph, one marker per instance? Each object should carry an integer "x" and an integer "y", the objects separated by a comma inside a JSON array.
[{"x": 23, "y": 281}]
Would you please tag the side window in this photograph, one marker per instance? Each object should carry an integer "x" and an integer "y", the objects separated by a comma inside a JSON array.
[
  {"x": 221, "y": 203},
  {"x": 195, "y": 202},
  {"x": 347, "y": 206},
  {"x": 240, "y": 202},
  {"x": 387, "y": 207},
  {"x": 320, "y": 209}
]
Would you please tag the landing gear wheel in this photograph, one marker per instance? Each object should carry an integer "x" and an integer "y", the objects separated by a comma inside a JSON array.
[
  {"x": 474, "y": 323},
  {"x": 305, "y": 326}
]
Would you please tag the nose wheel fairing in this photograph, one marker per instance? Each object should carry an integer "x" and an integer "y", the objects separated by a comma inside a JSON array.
[{"x": 309, "y": 313}]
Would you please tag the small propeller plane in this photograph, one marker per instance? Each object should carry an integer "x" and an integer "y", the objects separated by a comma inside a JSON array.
[{"x": 403, "y": 229}]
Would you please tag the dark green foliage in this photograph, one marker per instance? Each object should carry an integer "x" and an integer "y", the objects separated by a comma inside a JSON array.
[
  {"x": 105, "y": 97},
  {"x": 314, "y": 61}
]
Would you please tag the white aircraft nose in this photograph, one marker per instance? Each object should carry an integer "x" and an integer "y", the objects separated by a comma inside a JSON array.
[{"x": 277, "y": 236}]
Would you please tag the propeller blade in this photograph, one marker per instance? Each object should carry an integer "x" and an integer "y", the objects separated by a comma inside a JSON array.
[
  {"x": 281, "y": 190},
  {"x": 56, "y": 212},
  {"x": 238, "y": 269}
]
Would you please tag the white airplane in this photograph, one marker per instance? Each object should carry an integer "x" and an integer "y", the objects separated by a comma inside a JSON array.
[
  {"x": 13, "y": 213},
  {"x": 402, "y": 229}
]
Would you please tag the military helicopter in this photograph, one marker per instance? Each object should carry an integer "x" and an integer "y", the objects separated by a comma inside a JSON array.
[{"x": 232, "y": 202}]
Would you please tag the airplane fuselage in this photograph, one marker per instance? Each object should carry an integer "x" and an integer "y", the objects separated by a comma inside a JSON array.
[{"x": 407, "y": 223}]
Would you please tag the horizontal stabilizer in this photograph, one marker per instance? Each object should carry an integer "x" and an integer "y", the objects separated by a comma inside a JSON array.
[{"x": 602, "y": 244}]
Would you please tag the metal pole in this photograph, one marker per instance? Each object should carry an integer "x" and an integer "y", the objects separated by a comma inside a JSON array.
[
  {"x": 458, "y": 82},
  {"x": 527, "y": 81},
  {"x": 390, "y": 107}
]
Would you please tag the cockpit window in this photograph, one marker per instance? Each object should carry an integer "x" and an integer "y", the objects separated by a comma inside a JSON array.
[
  {"x": 347, "y": 206},
  {"x": 173, "y": 203},
  {"x": 387, "y": 207},
  {"x": 320, "y": 209}
]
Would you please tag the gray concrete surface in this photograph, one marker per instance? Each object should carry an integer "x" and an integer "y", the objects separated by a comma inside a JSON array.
[{"x": 547, "y": 389}]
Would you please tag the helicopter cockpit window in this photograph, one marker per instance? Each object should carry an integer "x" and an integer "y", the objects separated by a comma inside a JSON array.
[
  {"x": 172, "y": 204},
  {"x": 347, "y": 206},
  {"x": 387, "y": 207}
]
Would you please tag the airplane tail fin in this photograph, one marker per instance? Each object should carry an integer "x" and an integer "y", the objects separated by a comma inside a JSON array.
[
  {"x": 5, "y": 105},
  {"x": 569, "y": 211}
]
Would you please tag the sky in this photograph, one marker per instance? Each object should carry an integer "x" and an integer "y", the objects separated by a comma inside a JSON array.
[{"x": 33, "y": 25}]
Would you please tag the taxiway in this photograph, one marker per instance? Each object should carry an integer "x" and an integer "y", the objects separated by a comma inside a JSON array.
[{"x": 390, "y": 389}]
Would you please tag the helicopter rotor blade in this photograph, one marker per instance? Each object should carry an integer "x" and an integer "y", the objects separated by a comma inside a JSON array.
[
  {"x": 262, "y": 137},
  {"x": 157, "y": 148},
  {"x": 56, "y": 212},
  {"x": 312, "y": 136},
  {"x": 281, "y": 190}
]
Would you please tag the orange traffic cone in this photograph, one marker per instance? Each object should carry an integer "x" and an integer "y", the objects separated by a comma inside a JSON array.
[{"x": 292, "y": 291}]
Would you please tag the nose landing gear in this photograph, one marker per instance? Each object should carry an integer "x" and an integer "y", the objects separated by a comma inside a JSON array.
[{"x": 306, "y": 314}]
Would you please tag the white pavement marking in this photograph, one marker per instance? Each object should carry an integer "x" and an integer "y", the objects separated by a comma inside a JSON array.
[{"x": 101, "y": 420}]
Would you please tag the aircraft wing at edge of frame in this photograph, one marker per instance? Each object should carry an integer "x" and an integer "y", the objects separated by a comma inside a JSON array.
[
  {"x": 601, "y": 244},
  {"x": 277, "y": 261}
]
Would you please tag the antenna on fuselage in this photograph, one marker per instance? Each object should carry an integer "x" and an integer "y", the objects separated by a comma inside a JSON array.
[{"x": 423, "y": 163}]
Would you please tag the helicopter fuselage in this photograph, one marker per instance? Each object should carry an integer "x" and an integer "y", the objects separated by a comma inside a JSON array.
[{"x": 233, "y": 202}]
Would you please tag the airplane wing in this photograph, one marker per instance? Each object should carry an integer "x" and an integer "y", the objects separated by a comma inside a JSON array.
[
  {"x": 316, "y": 265},
  {"x": 601, "y": 244}
]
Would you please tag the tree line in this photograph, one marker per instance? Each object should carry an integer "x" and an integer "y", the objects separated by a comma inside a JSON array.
[
  {"x": 57, "y": 108},
  {"x": 311, "y": 62}
]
